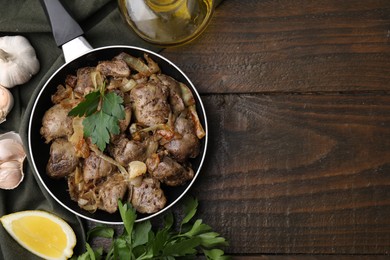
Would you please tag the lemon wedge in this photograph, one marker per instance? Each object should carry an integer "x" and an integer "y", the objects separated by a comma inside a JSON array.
[{"x": 42, "y": 233}]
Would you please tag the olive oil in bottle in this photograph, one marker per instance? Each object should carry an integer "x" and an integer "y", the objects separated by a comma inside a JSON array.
[{"x": 167, "y": 22}]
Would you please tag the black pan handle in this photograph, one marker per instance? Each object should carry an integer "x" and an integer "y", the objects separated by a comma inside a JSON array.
[{"x": 63, "y": 26}]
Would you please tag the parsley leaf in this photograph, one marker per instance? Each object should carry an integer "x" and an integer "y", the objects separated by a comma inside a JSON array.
[
  {"x": 100, "y": 123},
  {"x": 182, "y": 247},
  {"x": 128, "y": 216},
  {"x": 190, "y": 208},
  {"x": 112, "y": 105},
  {"x": 90, "y": 253},
  {"x": 97, "y": 126},
  {"x": 88, "y": 106},
  {"x": 214, "y": 254},
  {"x": 100, "y": 231},
  {"x": 142, "y": 230},
  {"x": 197, "y": 229}
]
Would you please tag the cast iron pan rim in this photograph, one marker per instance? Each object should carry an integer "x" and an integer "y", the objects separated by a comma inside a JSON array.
[{"x": 199, "y": 104}]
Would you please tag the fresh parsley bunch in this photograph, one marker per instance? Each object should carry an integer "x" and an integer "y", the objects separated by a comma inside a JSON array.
[{"x": 139, "y": 241}]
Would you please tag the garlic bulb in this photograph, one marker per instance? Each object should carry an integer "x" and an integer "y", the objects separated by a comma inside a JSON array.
[
  {"x": 6, "y": 103},
  {"x": 18, "y": 61},
  {"x": 12, "y": 156}
]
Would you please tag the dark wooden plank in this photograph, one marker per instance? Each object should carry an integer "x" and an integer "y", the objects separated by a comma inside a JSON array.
[
  {"x": 314, "y": 257},
  {"x": 298, "y": 174},
  {"x": 291, "y": 46}
]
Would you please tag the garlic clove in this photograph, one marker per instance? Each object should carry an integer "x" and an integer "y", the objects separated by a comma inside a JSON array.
[
  {"x": 11, "y": 150},
  {"x": 6, "y": 103},
  {"x": 12, "y": 156},
  {"x": 11, "y": 135},
  {"x": 11, "y": 175}
]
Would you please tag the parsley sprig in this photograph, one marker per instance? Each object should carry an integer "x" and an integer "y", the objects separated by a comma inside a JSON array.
[
  {"x": 102, "y": 111},
  {"x": 138, "y": 240}
]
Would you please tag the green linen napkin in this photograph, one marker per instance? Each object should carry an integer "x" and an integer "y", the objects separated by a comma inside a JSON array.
[{"x": 103, "y": 26}]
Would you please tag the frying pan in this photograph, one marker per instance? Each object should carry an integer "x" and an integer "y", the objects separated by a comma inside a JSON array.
[{"x": 78, "y": 53}]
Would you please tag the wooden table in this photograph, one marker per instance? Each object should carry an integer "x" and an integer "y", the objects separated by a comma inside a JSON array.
[{"x": 298, "y": 101}]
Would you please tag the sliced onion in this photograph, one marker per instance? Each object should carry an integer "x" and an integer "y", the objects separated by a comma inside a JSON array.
[
  {"x": 97, "y": 79},
  {"x": 163, "y": 130},
  {"x": 110, "y": 160},
  {"x": 77, "y": 138},
  {"x": 129, "y": 85},
  {"x": 200, "y": 133},
  {"x": 187, "y": 96},
  {"x": 153, "y": 66},
  {"x": 136, "y": 64},
  {"x": 137, "y": 181}
]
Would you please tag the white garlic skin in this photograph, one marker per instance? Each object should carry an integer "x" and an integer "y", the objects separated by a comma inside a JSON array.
[
  {"x": 6, "y": 103},
  {"x": 12, "y": 156},
  {"x": 18, "y": 61}
]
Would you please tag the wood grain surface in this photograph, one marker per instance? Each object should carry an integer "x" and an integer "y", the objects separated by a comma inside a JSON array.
[
  {"x": 298, "y": 173},
  {"x": 297, "y": 96},
  {"x": 291, "y": 46}
]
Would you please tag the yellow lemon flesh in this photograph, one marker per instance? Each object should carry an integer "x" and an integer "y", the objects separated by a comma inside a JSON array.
[{"x": 41, "y": 232}]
